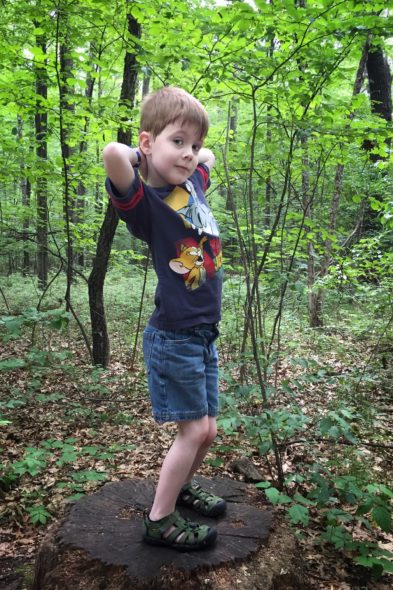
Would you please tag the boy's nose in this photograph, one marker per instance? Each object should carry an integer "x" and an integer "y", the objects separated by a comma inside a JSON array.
[{"x": 188, "y": 152}]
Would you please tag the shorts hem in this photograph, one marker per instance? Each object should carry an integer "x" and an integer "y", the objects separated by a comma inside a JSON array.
[{"x": 177, "y": 417}]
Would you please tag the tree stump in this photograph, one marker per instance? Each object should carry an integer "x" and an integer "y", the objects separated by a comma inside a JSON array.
[{"x": 99, "y": 546}]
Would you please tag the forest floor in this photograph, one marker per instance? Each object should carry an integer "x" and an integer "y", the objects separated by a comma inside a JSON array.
[{"x": 72, "y": 428}]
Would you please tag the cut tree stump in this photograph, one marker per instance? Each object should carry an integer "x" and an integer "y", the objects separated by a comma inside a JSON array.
[{"x": 99, "y": 546}]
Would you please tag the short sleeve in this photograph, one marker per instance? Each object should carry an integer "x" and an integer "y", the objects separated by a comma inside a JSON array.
[
  {"x": 132, "y": 207},
  {"x": 205, "y": 175}
]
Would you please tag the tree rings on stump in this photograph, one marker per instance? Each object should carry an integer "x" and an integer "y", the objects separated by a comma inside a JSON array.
[{"x": 99, "y": 544}]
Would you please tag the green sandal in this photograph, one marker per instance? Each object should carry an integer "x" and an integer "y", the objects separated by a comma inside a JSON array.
[
  {"x": 193, "y": 496},
  {"x": 185, "y": 536}
]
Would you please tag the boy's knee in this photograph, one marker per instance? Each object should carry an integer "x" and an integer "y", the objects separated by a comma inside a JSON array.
[
  {"x": 212, "y": 433},
  {"x": 197, "y": 431}
]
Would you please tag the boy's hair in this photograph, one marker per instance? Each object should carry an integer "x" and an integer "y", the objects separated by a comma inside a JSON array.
[{"x": 169, "y": 104}]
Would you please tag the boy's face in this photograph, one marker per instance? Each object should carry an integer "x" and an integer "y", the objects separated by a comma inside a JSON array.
[{"x": 172, "y": 156}]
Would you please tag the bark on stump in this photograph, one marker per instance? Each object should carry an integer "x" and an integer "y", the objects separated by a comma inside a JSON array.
[{"x": 98, "y": 545}]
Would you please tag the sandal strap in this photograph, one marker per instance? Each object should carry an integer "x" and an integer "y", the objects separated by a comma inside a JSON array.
[
  {"x": 197, "y": 493},
  {"x": 189, "y": 533},
  {"x": 205, "y": 503},
  {"x": 168, "y": 521}
]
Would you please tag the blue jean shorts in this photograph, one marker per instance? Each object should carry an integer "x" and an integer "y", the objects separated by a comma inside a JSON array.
[{"x": 182, "y": 370}]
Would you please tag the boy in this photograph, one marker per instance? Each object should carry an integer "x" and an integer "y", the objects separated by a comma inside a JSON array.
[{"x": 169, "y": 211}]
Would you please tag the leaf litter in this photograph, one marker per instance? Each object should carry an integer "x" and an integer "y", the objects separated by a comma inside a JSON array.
[{"x": 85, "y": 427}]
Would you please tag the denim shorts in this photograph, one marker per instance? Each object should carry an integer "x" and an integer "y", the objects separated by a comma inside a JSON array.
[{"x": 182, "y": 369}]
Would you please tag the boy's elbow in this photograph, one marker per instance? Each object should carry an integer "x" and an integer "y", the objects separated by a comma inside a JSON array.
[
  {"x": 207, "y": 157},
  {"x": 109, "y": 151},
  {"x": 211, "y": 158}
]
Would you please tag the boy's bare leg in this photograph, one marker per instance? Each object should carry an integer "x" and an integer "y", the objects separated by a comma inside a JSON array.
[
  {"x": 201, "y": 454},
  {"x": 179, "y": 462}
]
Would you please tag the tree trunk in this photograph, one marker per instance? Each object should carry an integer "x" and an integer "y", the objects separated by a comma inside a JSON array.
[
  {"x": 41, "y": 128},
  {"x": 25, "y": 189},
  {"x": 81, "y": 189},
  {"x": 380, "y": 90},
  {"x": 146, "y": 85},
  {"x": 268, "y": 181},
  {"x": 100, "y": 265},
  {"x": 317, "y": 301},
  {"x": 98, "y": 546},
  {"x": 67, "y": 113},
  {"x": 380, "y": 83},
  {"x": 314, "y": 311}
]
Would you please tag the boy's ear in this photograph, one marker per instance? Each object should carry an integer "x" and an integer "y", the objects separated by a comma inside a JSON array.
[{"x": 145, "y": 142}]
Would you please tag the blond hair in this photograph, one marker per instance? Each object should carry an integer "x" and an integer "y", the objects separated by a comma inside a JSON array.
[{"x": 169, "y": 104}]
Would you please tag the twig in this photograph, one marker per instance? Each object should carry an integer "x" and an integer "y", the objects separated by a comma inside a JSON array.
[
  {"x": 5, "y": 300},
  {"x": 83, "y": 331},
  {"x": 138, "y": 327},
  {"x": 335, "y": 442},
  {"x": 375, "y": 348}
]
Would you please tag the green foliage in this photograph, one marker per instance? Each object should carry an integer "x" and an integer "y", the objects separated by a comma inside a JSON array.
[
  {"x": 283, "y": 74},
  {"x": 38, "y": 514},
  {"x": 367, "y": 505},
  {"x": 12, "y": 326}
]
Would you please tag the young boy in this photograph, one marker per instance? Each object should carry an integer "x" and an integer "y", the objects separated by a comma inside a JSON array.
[{"x": 168, "y": 210}]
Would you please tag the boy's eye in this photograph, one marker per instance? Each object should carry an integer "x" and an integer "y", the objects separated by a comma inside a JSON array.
[
  {"x": 196, "y": 148},
  {"x": 178, "y": 141}
]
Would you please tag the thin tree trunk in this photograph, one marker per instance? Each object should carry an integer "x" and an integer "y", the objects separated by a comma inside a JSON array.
[
  {"x": 25, "y": 189},
  {"x": 41, "y": 128},
  {"x": 101, "y": 348},
  {"x": 67, "y": 112},
  {"x": 146, "y": 85},
  {"x": 316, "y": 302},
  {"x": 314, "y": 312},
  {"x": 81, "y": 189},
  {"x": 98, "y": 200},
  {"x": 268, "y": 182}
]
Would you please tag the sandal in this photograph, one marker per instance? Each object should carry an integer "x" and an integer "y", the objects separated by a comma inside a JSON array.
[
  {"x": 178, "y": 533},
  {"x": 205, "y": 503}
]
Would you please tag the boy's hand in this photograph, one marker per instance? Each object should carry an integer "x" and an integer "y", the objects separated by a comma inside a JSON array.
[{"x": 206, "y": 156}]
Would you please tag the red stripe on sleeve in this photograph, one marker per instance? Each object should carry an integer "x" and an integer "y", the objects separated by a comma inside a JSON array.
[
  {"x": 205, "y": 177},
  {"x": 129, "y": 204}
]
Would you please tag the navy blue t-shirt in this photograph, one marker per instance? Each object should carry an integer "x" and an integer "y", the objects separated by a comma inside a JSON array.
[{"x": 183, "y": 237}]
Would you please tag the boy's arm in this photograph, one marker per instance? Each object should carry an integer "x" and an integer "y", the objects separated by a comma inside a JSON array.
[
  {"x": 119, "y": 160},
  {"x": 206, "y": 156}
]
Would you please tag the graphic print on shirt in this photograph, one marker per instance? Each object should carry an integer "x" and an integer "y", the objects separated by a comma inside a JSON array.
[
  {"x": 195, "y": 263},
  {"x": 194, "y": 213}
]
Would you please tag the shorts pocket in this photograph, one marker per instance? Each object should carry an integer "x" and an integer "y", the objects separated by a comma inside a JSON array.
[
  {"x": 175, "y": 336},
  {"x": 147, "y": 345}
]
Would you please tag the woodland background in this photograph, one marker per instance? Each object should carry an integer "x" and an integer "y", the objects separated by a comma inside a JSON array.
[{"x": 299, "y": 97}]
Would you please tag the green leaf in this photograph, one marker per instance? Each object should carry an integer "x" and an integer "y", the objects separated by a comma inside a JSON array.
[
  {"x": 276, "y": 497},
  {"x": 384, "y": 564},
  {"x": 383, "y": 518},
  {"x": 12, "y": 364},
  {"x": 264, "y": 447},
  {"x": 299, "y": 514},
  {"x": 263, "y": 485},
  {"x": 272, "y": 495},
  {"x": 303, "y": 500},
  {"x": 83, "y": 476},
  {"x": 38, "y": 514}
]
